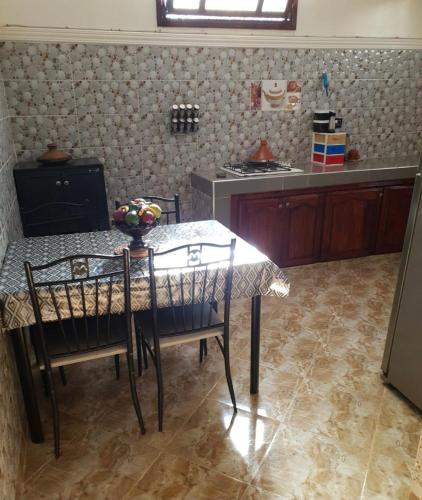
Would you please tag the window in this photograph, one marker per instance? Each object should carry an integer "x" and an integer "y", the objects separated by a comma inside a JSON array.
[{"x": 265, "y": 14}]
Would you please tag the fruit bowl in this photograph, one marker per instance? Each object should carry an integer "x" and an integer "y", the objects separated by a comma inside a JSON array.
[{"x": 136, "y": 219}]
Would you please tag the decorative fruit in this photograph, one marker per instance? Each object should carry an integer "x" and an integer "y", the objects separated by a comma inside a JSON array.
[
  {"x": 119, "y": 215},
  {"x": 142, "y": 209},
  {"x": 124, "y": 208},
  {"x": 148, "y": 217},
  {"x": 132, "y": 217},
  {"x": 138, "y": 201},
  {"x": 155, "y": 209}
]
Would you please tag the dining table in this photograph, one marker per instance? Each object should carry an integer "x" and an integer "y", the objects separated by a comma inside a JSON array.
[{"x": 254, "y": 276}]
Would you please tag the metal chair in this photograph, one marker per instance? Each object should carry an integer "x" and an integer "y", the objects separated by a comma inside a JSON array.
[
  {"x": 167, "y": 212},
  {"x": 192, "y": 278},
  {"x": 81, "y": 302}
]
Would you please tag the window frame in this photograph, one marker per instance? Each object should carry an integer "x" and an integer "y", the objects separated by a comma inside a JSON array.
[{"x": 283, "y": 24}]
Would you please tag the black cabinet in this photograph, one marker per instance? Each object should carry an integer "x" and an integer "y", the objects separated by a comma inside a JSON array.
[{"x": 59, "y": 199}]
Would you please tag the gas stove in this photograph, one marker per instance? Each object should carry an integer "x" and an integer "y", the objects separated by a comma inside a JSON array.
[{"x": 249, "y": 168}]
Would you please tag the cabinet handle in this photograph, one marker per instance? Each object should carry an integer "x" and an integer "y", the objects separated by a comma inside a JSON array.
[
  {"x": 58, "y": 183},
  {"x": 381, "y": 194},
  {"x": 280, "y": 205},
  {"x": 66, "y": 183},
  {"x": 287, "y": 203}
]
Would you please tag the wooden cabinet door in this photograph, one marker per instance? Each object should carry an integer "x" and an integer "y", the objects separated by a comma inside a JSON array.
[
  {"x": 350, "y": 223},
  {"x": 301, "y": 229},
  {"x": 393, "y": 219},
  {"x": 259, "y": 223}
]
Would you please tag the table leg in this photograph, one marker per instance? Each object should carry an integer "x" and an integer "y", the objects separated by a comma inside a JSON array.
[
  {"x": 27, "y": 385},
  {"x": 255, "y": 336}
]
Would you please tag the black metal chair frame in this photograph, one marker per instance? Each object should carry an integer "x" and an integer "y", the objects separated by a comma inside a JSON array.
[
  {"x": 208, "y": 306},
  {"x": 166, "y": 213},
  {"x": 80, "y": 344}
]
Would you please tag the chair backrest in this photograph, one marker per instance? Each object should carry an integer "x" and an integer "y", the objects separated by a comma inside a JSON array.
[
  {"x": 170, "y": 207},
  {"x": 81, "y": 293},
  {"x": 194, "y": 276}
]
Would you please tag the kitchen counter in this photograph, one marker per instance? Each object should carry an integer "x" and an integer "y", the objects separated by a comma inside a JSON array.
[{"x": 211, "y": 195}]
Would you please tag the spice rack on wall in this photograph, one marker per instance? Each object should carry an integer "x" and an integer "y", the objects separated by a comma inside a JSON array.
[{"x": 184, "y": 118}]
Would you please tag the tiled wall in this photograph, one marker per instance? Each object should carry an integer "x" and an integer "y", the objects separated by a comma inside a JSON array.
[
  {"x": 11, "y": 434},
  {"x": 112, "y": 102}
]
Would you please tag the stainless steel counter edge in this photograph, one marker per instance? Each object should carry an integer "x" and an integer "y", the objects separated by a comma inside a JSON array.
[{"x": 365, "y": 171}]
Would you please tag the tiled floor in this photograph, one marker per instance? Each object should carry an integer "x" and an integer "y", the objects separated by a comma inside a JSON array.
[{"x": 323, "y": 425}]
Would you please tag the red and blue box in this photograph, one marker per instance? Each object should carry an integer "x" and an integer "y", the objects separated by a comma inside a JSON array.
[{"x": 328, "y": 149}]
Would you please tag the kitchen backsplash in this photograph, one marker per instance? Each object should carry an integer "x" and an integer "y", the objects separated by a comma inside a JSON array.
[{"x": 113, "y": 102}]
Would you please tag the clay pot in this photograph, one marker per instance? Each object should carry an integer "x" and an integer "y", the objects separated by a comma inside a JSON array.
[
  {"x": 263, "y": 153},
  {"x": 54, "y": 155}
]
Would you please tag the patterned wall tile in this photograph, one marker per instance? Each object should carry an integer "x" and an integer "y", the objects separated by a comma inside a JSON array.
[
  {"x": 172, "y": 164},
  {"x": 225, "y": 64},
  {"x": 418, "y": 118},
  {"x": 42, "y": 61},
  {"x": 8, "y": 193},
  {"x": 158, "y": 96},
  {"x": 416, "y": 62},
  {"x": 167, "y": 63},
  {"x": 104, "y": 62},
  {"x": 108, "y": 97},
  {"x": 36, "y": 132},
  {"x": 6, "y": 141},
  {"x": 124, "y": 162},
  {"x": 110, "y": 130},
  {"x": 277, "y": 64},
  {"x": 224, "y": 96},
  {"x": 34, "y": 97},
  {"x": 4, "y": 111}
]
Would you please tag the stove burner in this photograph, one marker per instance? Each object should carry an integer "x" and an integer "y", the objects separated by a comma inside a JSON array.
[{"x": 250, "y": 168}]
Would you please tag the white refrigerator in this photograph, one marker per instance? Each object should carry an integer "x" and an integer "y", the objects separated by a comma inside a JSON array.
[{"x": 402, "y": 362}]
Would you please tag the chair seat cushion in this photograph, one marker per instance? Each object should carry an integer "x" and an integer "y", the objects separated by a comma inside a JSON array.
[
  {"x": 92, "y": 334},
  {"x": 179, "y": 320}
]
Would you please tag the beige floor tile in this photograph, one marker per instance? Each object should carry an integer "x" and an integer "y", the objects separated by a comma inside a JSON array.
[
  {"x": 92, "y": 484},
  {"x": 338, "y": 414},
  {"x": 254, "y": 493},
  {"x": 230, "y": 443},
  {"x": 304, "y": 465},
  {"x": 173, "y": 477},
  {"x": 276, "y": 390},
  {"x": 292, "y": 352}
]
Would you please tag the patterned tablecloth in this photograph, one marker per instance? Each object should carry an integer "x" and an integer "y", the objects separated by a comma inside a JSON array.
[{"x": 254, "y": 273}]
